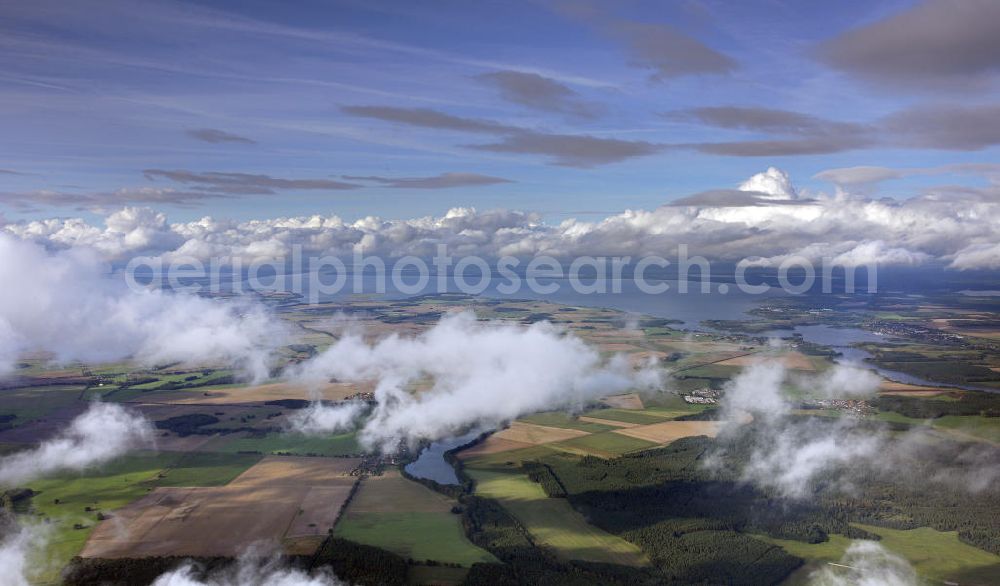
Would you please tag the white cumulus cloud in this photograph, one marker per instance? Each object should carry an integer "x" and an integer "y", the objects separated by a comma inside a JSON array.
[
  {"x": 64, "y": 304},
  {"x": 463, "y": 373}
]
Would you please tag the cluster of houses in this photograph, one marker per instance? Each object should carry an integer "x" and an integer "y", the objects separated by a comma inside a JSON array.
[
  {"x": 702, "y": 396},
  {"x": 856, "y": 407},
  {"x": 913, "y": 331}
]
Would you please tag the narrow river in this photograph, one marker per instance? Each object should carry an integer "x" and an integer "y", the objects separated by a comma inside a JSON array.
[{"x": 430, "y": 464}]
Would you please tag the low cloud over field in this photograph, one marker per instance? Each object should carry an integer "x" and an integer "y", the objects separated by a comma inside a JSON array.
[
  {"x": 102, "y": 433},
  {"x": 866, "y": 563},
  {"x": 62, "y": 303},
  {"x": 787, "y": 457},
  {"x": 796, "y": 455},
  {"x": 17, "y": 544},
  {"x": 468, "y": 374},
  {"x": 764, "y": 216},
  {"x": 248, "y": 571}
]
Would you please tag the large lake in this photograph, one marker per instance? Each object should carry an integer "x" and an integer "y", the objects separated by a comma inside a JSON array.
[
  {"x": 690, "y": 308},
  {"x": 841, "y": 339}
]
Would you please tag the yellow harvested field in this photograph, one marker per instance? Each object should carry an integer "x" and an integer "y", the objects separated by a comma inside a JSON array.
[
  {"x": 491, "y": 445},
  {"x": 297, "y": 471},
  {"x": 619, "y": 347},
  {"x": 645, "y": 357},
  {"x": 669, "y": 431},
  {"x": 791, "y": 360},
  {"x": 960, "y": 327},
  {"x": 889, "y": 387},
  {"x": 912, "y": 393},
  {"x": 626, "y": 401},
  {"x": 529, "y": 433},
  {"x": 257, "y": 394},
  {"x": 607, "y": 422},
  {"x": 275, "y": 499}
]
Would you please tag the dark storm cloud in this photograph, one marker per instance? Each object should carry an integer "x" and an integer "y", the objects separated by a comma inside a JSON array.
[
  {"x": 427, "y": 118},
  {"x": 216, "y": 136},
  {"x": 540, "y": 93},
  {"x": 938, "y": 44},
  {"x": 568, "y": 150},
  {"x": 243, "y": 183},
  {"x": 442, "y": 181}
]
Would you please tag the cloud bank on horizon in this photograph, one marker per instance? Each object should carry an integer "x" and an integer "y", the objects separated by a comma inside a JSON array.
[{"x": 766, "y": 217}]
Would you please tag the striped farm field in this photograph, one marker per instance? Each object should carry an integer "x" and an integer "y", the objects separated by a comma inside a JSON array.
[{"x": 553, "y": 522}]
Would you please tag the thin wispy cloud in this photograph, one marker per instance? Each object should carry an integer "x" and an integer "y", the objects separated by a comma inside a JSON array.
[
  {"x": 568, "y": 150},
  {"x": 243, "y": 183},
  {"x": 661, "y": 48},
  {"x": 427, "y": 118},
  {"x": 764, "y": 120},
  {"x": 540, "y": 93},
  {"x": 871, "y": 174},
  {"x": 215, "y": 136},
  {"x": 92, "y": 200},
  {"x": 442, "y": 181},
  {"x": 949, "y": 127},
  {"x": 942, "y": 126},
  {"x": 571, "y": 150}
]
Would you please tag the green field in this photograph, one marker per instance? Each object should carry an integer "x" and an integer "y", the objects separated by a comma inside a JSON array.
[
  {"x": 564, "y": 421},
  {"x": 437, "y": 575},
  {"x": 416, "y": 535},
  {"x": 293, "y": 444},
  {"x": 116, "y": 485},
  {"x": 606, "y": 445},
  {"x": 628, "y": 416},
  {"x": 511, "y": 459},
  {"x": 31, "y": 403},
  {"x": 937, "y": 555},
  {"x": 408, "y": 519},
  {"x": 987, "y": 428},
  {"x": 553, "y": 522},
  {"x": 962, "y": 427}
]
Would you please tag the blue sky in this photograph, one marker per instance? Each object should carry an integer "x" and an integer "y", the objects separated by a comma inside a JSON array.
[{"x": 175, "y": 105}]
